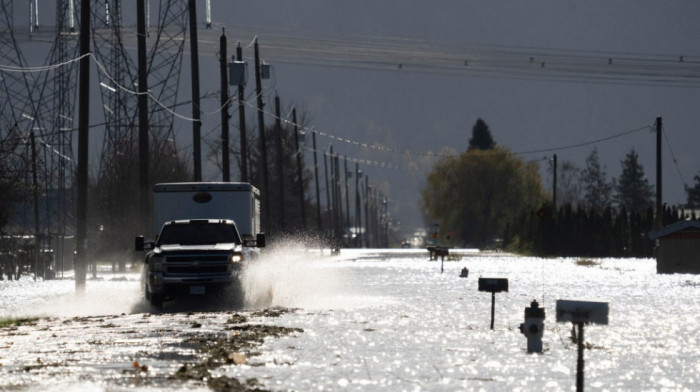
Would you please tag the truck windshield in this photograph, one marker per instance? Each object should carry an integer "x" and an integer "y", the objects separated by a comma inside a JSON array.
[{"x": 199, "y": 234}]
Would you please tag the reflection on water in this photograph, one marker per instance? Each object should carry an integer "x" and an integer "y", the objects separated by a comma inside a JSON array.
[{"x": 377, "y": 320}]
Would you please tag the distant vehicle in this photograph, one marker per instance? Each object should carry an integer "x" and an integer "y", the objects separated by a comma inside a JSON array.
[{"x": 209, "y": 230}]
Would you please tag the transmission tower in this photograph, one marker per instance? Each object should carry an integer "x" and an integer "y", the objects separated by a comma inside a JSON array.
[
  {"x": 165, "y": 61},
  {"x": 42, "y": 102},
  {"x": 120, "y": 73},
  {"x": 15, "y": 105}
]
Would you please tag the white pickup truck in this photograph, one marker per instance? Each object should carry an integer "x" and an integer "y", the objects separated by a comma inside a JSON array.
[{"x": 200, "y": 251}]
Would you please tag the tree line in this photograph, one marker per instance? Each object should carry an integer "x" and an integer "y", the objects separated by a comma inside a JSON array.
[
  {"x": 489, "y": 197},
  {"x": 584, "y": 232}
]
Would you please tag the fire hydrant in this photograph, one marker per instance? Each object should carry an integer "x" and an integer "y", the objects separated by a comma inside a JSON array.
[{"x": 533, "y": 327}]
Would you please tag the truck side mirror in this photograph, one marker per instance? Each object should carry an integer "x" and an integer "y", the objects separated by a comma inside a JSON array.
[
  {"x": 260, "y": 240},
  {"x": 138, "y": 243}
]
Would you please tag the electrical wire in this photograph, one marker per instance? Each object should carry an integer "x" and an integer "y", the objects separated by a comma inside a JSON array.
[
  {"x": 673, "y": 156},
  {"x": 102, "y": 69},
  {"x": 505, "y": 61},
  {"x": 368, "y": 162},
  {"x": 10, "y": 68},
  {"x": 571, "y": 146}
]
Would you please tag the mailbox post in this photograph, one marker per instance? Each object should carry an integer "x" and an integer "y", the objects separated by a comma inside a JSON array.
[
  {"x": 493, "y": 286},
  {"x": 580, "y": 313}
]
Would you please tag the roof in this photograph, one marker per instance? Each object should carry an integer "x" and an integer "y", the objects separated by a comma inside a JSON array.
[
  {"x": 203, "y": 186},
  {"x": 684, "y": 225}
]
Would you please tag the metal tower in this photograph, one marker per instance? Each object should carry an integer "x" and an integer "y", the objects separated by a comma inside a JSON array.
[
  {"x": 118, "y": 73},
  {"x": 39, "y": 102}
]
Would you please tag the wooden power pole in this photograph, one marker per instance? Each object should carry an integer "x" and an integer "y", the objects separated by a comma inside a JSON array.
[
  {"x": 659, "y": 221},
  {"x": 263, "y": 142},
  {"x": 241, "y": 119},
  {"x": 300, "y": 176},
  {"x": 223, "y": 65},
  {"x": 196, "y": 112},
  {"x": 144, "y": 166},
  {"x": 83, "y": 141}
]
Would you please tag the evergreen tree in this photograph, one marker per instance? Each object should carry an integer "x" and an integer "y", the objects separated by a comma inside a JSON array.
[
  {"x": 633, "y": 189},
  {"x": 481, "y": 137},
  {"x": 694, "y": 193},
  {"x": 597, "y": 190},
  {"x": 568, "y": 185}
]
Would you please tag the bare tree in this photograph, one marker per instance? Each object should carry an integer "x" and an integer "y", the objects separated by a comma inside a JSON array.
[
  {"x": 14, "y": 167},
  {"x": 597, "y": 189},
  {"x": 113, "y": 220}
]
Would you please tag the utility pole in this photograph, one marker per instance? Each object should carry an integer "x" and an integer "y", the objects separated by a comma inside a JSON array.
[
  {"x": 263, "y": 143},
  {"x": 554, "y": 185},
  {"x": 300, "y": 177},
  {"x": 280, "y": 170},
  {"x": 554, "y": 203},
  {"x": 347, "y": 195},
  {"x": 196, "y": 115},
  {"x": 241, "y": 120},
  {"x": 358, "y": 215},
  {"x": 35, "y": 186},
  {"x": 659, "y": 221},
  {"x": 144, "y": 164},
  {"x": 338, "y": 197},
  {"x": 329, "y": 206},
  {"x": 226, "y": 172},
  {"x": 366, "y": 238},
  {"x": 83, "y": 141},
  {"x": 318, "y": 192},
  {"x": 334, "y": 193}
]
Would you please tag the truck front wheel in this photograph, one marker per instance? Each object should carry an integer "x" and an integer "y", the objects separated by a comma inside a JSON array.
[{"x": 156, "y": 300}]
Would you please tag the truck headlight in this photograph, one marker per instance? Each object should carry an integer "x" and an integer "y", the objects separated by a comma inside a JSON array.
[
  {"x": 236, "y": 258},
  {"x": 155, "y": 264}
]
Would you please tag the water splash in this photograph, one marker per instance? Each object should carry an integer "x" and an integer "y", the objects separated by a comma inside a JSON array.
[
  {"x": 58, "y": 298},
  {"x": 290, "y": 274}
]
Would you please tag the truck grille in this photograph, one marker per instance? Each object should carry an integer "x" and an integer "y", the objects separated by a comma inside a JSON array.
[{"x": 197, "y": 264}]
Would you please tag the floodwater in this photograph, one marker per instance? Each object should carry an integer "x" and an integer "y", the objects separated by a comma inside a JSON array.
[{"x": 372, "y": 320}]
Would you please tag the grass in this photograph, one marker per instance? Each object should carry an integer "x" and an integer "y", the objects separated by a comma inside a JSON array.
[
  {"x": 586, "y": 263},
  {"x": 9, "y": 322}
]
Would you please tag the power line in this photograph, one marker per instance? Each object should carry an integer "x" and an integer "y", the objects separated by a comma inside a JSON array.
[
  {"x": 571, "y": 146},
  {"x": 490, "y": 61},
  {"x": 673, "y": 156}
]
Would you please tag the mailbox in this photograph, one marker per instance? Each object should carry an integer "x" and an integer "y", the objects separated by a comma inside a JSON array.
[
  {"x": 586, "y": 312},
  {"x": 493, "y": 285}
]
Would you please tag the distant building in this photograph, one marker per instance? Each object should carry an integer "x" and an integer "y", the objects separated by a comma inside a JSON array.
[{"x": 678, "y": 247}]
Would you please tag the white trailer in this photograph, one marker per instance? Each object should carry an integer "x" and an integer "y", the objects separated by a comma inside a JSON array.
[{"x": 238, "y": 201}]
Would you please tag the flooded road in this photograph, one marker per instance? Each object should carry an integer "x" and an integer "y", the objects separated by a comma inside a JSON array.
[
  {"x": 363, "y": 320},
  {"x": 175, "y": 349}
]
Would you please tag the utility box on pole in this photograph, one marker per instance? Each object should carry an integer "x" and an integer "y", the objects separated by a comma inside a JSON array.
[
  {"x": 265, "y": 71},
  {"x": 237, "y": 73}
]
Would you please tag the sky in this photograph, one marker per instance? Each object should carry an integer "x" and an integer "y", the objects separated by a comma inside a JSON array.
[
  {"x": 399, "y": 94},
  {"x": 424, "y": 111}
]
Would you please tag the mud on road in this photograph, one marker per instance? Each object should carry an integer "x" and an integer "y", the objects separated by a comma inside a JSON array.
[{"x": 154, "y": 351}]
